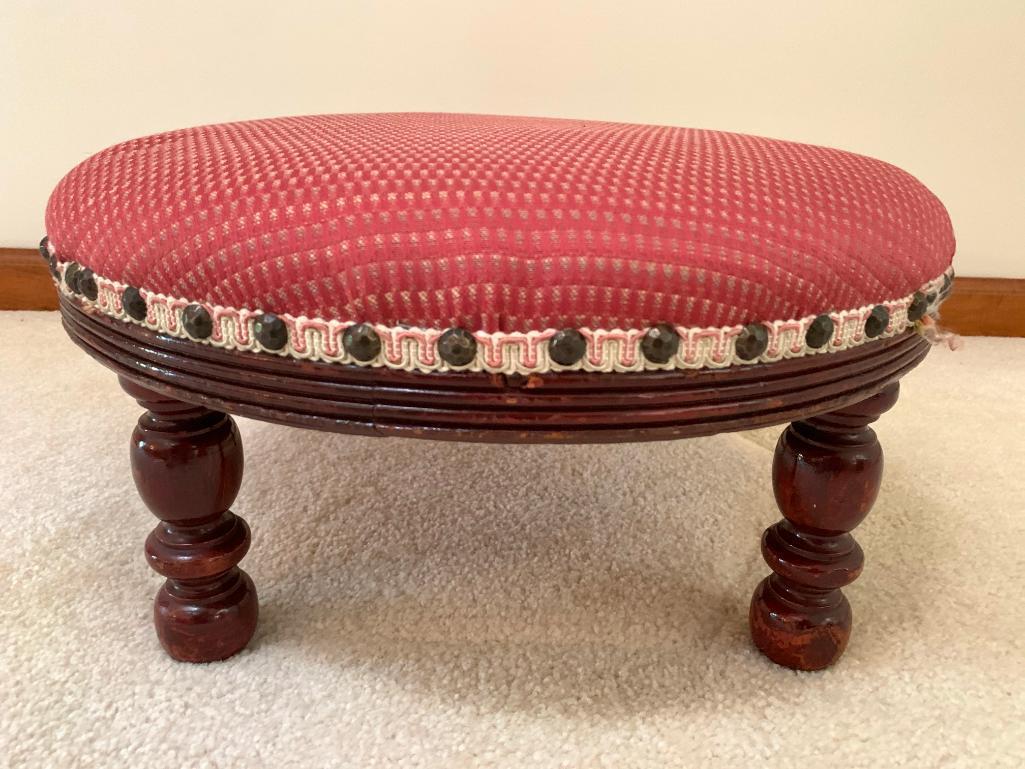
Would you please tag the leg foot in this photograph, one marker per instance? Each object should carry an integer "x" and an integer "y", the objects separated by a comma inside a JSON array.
[
  {"x": 208, "y": 624},
  {"x": 187, "y": 464},
  {"x": 826, "y": 473},
  {"x": 795, "y": 633}
]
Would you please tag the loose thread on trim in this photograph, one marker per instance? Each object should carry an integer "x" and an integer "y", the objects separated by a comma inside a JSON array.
[{"x": 930, "y": 329}]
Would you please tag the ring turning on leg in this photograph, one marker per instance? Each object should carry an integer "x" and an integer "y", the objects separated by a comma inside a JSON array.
[
  {"x": 825, "y": 474},
  {"x": 187, "y": 464}
]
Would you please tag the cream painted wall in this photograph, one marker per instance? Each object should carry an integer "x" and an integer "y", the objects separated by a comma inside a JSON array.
[{"x": 935, "y": 86}]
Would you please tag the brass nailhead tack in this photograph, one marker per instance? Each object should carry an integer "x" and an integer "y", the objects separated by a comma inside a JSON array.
[
  {"x": 919, "y": 304},
  {"x": 660, "y": 343},
  {"x": 752, "y": 341},
  {"x": 457, "y": 347},
  {"x": 361, "y": 342},
  {"x": 567, "y": 347},
  {"x": 85, "y": 282},
  {"x": 271, "y": 332},
  {"x": 133, "y": 303},
  {"x": 197, "y": 321},
  {"x": 820, "y": 331},
  {"x": 877, "y": 321},
  {"x": 71, "y": 277}
]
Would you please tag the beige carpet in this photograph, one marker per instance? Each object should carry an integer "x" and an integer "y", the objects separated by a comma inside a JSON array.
[{"x": 436, "y": 605}]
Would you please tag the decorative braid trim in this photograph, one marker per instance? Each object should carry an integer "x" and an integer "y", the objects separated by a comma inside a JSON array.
[{"x": 416, "y": 349}]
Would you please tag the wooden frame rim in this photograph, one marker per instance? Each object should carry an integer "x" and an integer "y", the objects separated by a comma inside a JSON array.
[{"x": 564, "y": 407}]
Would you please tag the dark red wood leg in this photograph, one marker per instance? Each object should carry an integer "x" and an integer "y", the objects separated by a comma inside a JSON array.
[
  {"x": 187, "y": 464},
  {"x": 825, "y": 473}
]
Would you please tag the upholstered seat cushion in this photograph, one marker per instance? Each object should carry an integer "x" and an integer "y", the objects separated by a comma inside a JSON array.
[{"x": 500, "y": 224}]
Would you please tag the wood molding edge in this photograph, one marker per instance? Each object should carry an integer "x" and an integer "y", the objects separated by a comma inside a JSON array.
[{"x": 977, "y": 306}]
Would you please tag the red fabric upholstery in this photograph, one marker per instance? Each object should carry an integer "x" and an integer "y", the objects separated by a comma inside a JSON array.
[{"x": 499, "y": 223}]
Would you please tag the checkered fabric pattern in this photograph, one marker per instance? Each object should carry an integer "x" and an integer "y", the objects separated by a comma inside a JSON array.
[{"x": 499, "y": 224}]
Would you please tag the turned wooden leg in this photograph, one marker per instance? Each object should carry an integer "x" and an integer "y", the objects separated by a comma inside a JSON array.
[
  {"x": 187, "y": 465},
  {"x": 825, "y": 473}
]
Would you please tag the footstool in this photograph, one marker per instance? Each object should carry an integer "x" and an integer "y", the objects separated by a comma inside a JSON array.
[{"x": 505, "y": 279}]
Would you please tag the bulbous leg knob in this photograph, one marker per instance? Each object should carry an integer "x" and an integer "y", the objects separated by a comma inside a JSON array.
[
  {"x": 826, "y": 474},
  {"x": 187, "y": 462}
]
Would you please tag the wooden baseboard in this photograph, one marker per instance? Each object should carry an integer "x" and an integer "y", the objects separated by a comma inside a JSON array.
[
  {"x": 986, "y": 307},
  {"x": 25, "y": 282},
  {"x": 977, "y": 307}
]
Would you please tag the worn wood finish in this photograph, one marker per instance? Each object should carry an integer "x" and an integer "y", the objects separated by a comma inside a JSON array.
[
  {"x": 187, "y": 464},
  {"x": 187, "y": 456},
  {"x": 567, "y": 407},
  {"x": 826, "y": 473}
]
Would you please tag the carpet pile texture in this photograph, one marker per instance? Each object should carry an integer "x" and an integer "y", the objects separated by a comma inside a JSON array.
[{"x": 453, "y": 605}]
